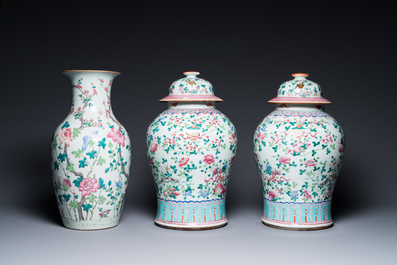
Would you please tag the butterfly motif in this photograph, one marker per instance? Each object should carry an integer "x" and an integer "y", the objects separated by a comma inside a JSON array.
[{"x": 88, "y": 138}]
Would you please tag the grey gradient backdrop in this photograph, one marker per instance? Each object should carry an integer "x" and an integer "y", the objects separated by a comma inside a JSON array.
[{"x": 246, "y": 50}]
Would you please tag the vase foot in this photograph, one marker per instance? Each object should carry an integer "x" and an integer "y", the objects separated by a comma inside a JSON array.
[
  {"x": 190, "y": 228},
  {"x": 298, "y": 227},
  {"x": 90, "y": 225},
  {"x": 91, "y": 229}
]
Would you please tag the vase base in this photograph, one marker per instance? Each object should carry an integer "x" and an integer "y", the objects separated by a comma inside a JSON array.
[
  {"x": 91, "y": 229},
  {"x": 298, "y": 227},
  {"x": 190, "y": 228},
  {"x": 90, "y": 225}
]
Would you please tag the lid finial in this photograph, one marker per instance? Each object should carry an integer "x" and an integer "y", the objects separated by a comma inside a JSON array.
[
  {"x": 300, "y": 75},
  {"x": 191, "y": 74}
]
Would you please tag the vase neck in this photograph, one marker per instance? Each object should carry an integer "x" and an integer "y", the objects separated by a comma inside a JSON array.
[
  {"x": 191, "y": 105},
  {"x": 300, "y": 107},
  {"x": 91, "y": 92}
]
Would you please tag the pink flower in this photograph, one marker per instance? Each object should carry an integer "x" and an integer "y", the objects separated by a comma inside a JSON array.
[
  {"x": 341, "y": 149},
  {"x": 306, "y": 194},
  {"x": 72, "y": 190},
  {"x": 279, "y": 191},
  {"x": 151, "y": 161},
  {"x": 65, "y": 136},
  {"x": 209, "y": 159},
  {"x": 116, "y": 136},
  {"x": 216, "y": 171},
  {"x": 284, "y": 160},
  {"x": 78, "y": 86},
  {"x": 67, "y": 183},
  {"x": 272, "y": 195},
  {"x": 95, "y": 92},
  {"x": 101, "y": 80},
  {"x": 310, "y": 163},
  {"x": 219, "y": 188},
  {"x": 276, "y": 172},
  {"x": 153, "y": 147},
  {"x": 88, "y": 185},
  {"x": 183, "y": 161}
]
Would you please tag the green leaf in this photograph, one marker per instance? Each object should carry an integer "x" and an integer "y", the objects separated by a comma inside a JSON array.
[
  {"x": 110, "y": 145},
  {"x": 62, "y": 157},
  {"x": 65, "y": 125},
  {"x": 101, "y": 182},
  {"x": 101, "y": 200},
  {"x": 102, "y": 143},
  {"x": 91, "y": 198},
  {"x": 87, "y": 207},
  {"x": 77, "y": 153},
  {"x": 74, "y": 204},
  {"x": 70, "y": 167},
  {"x": 83, "y": 163},
  {"x": 56, "y": 165},
  {"x": 92, "y": 154},
  {"x": 101, "y": 161},
  {"x": 66, "y": 197},
  {"x": 77, "y": 182},
  {"x": 54, "y": 143},
  {"x": 76, "y": 133}
]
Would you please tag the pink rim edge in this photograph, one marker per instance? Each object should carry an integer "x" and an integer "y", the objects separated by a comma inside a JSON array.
[
  {"x": 309, "y": 100},
  {"x": 191, "y": 98}
]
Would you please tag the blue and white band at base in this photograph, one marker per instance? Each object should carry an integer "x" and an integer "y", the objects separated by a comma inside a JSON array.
[
  {"x": 208, "y": 213},
  {"x": 297, "y": 215}
]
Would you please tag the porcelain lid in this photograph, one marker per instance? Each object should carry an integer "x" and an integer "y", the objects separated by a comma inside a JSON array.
[
  {"x": 299, "y": 90},
  {"x": 191, "y": 88}
]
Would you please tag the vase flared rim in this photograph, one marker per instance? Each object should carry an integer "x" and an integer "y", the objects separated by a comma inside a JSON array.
[{"x": 91, "y": 71}]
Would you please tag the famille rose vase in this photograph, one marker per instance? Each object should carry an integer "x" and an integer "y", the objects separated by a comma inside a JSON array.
[
  {"x": 191, "y": 147},
  {"x": 298, "y": 149},
  {"x": 91, "y": 155}
]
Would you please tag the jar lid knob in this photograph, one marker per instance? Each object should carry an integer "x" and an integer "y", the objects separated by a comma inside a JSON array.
[
  {"x": 301, "y": 75},
  {"x": 191, "y": 74}
]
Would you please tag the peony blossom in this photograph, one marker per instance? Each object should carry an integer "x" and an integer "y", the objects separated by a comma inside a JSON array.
[
  {"x": 183, "y": 161},
  {"x": 306, "y": 194},
  {"x": 66, "y": 136},
  {"x": 67, "y": 183},
  {"x": 153, "y": 147},
  {"x": 209, "y": 159},
  {"x": 310, "y": 163},
  {"x": 284, "y": 160},
  {"x": 219, "y": 189},
  {"x": 116, "y": 136},
  {"x": 88, "y": 185},
  {"x": 272, "y": 195}
]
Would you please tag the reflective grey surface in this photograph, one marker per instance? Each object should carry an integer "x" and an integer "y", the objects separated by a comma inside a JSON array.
[{"x": 246, "y": 51}]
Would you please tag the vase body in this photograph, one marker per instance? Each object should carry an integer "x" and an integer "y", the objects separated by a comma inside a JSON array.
[
  {"x": 91, "y": 156},
  {"x": 298, "y": 149},
  {"x": 191, "y": 148}
]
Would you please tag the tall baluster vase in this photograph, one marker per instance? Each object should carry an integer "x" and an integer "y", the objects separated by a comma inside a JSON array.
[
  {"x": 91, "y": 155},
  {"x": 298, "y": 149},
  {"x": 191, "y": 147}
]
